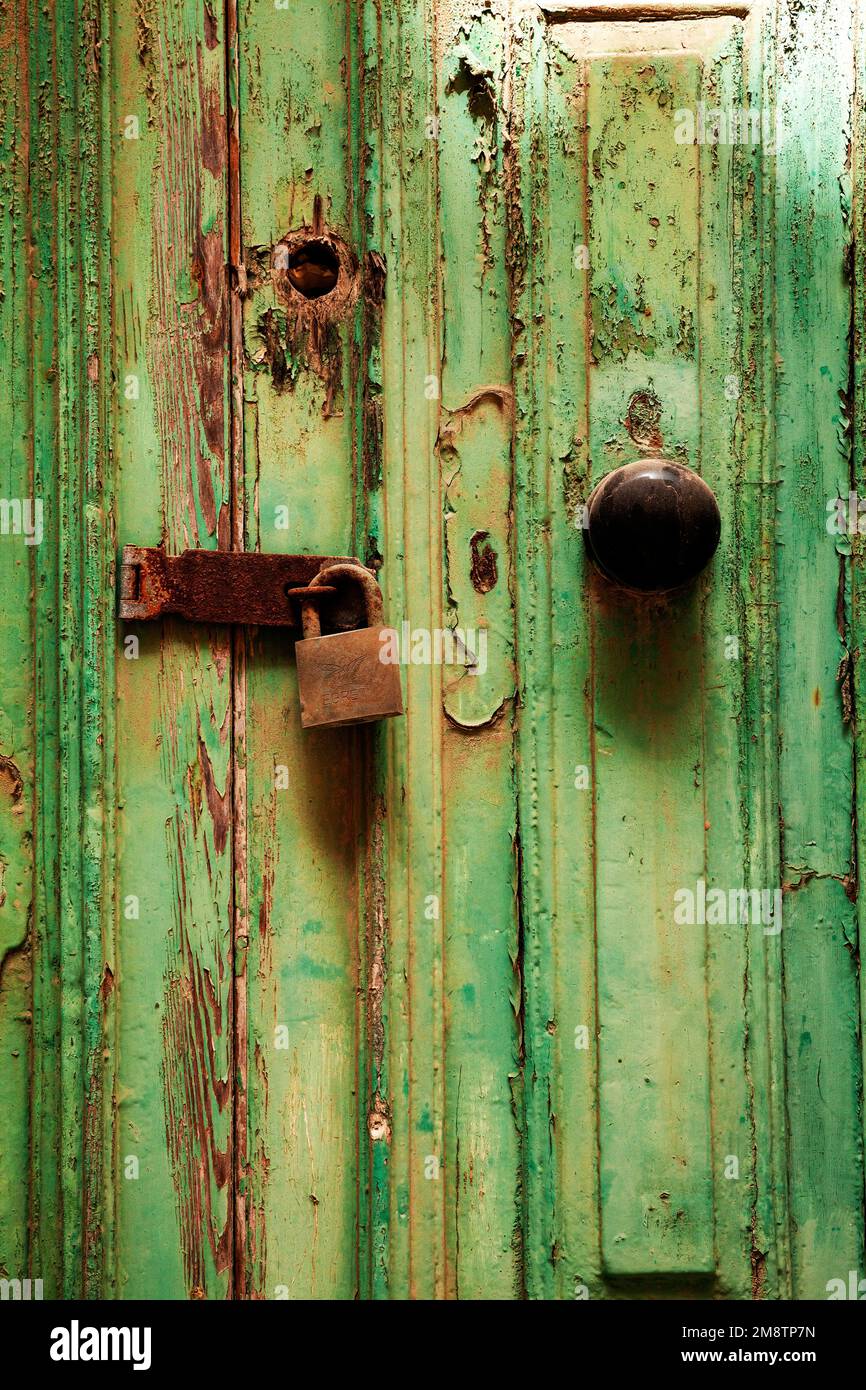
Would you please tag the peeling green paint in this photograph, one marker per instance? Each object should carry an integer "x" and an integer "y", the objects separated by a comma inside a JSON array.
[{"x": 417, "y": 1021}]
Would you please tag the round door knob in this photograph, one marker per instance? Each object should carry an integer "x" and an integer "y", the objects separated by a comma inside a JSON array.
[{"x": 652, "y": 526}]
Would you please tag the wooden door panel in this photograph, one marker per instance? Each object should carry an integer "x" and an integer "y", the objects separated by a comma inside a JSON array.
[
  {"x": 436, "y": 1009},
  {"x": 648, "y": 757},
  {"x": 615, "y": 238},
  {"x": 724, "y": 1050},
  {"x": 301, "y": 943},
  {"x": 17, "y": 623},
  {"x": 479, "y": 919},
  {"x": 175, "y": 833},
  {"x": 818, "y": 627}
]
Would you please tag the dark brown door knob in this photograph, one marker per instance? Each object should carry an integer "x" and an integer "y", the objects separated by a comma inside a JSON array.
[{"x": 652, "y": 526}]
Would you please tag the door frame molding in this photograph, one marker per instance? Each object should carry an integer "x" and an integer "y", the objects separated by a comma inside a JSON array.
[{"x": 65, "y": 107}]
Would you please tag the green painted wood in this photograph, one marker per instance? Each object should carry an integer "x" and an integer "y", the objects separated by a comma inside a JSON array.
[
  {"x": 453, "y": 996},
  {"x": 49, "y": 1259},
  {"x": 818, "y": 810},
  {"x": 300, "y": 941},
  {"x": 407, "y": 1012},
  {"x": 57, "y": 710},
  {"x": 743, "y": 963},
  {"x": 482, "y": 949},
  {"x": 16, "y": 732},
  {"x": 550, "y": 368},
  {"x": 402, "y": 63},
  {"x": 858, "y": 436},
  {"x": 688, "y": 1030},
  {"x": 648, "y": 753},
  {"x": 173, "y": 1158}
]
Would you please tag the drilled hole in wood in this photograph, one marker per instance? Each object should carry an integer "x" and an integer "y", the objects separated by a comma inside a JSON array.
[
  {"x": 315, "y": 274},
  {"x": 313, "y": 269}
]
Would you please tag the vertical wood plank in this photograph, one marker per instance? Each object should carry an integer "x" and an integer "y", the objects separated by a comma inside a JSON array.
[
  {"x": 647, "y": 707},
  {"x": 483, "y": 994},
  {"x": 405, "y": 157},
  {"x": 169, "y": 133},
  {"x": 58, "y": 817},
  {"x": 670, "y": 327},
  {"x": 858, "y": 450},
  {"x": 301, "y": 957},
  {"x": 49, "y": 1257},
  {"x": 16, "y": 712},
  {"x": 549, "y": 271},
  {"x": 69, "y": 476},
  {"x": 529, "y": 237},
  {"x": 814, "y": 79}
]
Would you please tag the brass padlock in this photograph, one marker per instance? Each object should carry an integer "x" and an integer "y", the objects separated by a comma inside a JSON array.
[{"x": 342, "y": 678}]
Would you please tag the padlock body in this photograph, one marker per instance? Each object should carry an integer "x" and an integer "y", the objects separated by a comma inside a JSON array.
[{"x": 342, "y": 680}]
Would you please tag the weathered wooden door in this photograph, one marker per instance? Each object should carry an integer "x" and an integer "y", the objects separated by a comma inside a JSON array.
[{"x": 458, "y": 1006}]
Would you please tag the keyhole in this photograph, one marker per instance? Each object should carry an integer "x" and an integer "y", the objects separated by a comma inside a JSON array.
[{"x": 313, "y": 269}]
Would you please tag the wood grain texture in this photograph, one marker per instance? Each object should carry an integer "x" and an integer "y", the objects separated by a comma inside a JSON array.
[
  {"x": 678, "y": 753},
  {"x": 300, "y": 953},
  {"x": 407, "y": 1012},
  {"x": 649, "y": 842},
  {"x": 58, "y": 717},
  {"x": 858, "y": 437},
  {"x": 817, "y": 808},
  {"x": 175, "y": 958},
  {"x": 16, "y": 714},
  {"x": 401, "y": 64},
  {"x": 479, "y": 903}
]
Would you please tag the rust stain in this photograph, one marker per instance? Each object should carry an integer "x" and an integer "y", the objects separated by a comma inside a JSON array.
[
  {"x": 144, "y": 34},
  {"x": 11, "y": 781},
  {"x": 268, "y": 869},
  {"x": 257, "y": 1170},
  {"x": 375, "y": 272},
  {"x": 483, "y": 569},
  {"x": 845, "y": 678},
  {"x": 106, "y": 989},
  {"x": 92, "y": 1144},
  {"x": 379, "y": 1115},
  {"x": 273, "y": 350},
  {"x": 759, "y": 1270}
]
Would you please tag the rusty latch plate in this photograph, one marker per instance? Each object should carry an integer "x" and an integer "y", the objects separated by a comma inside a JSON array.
[{"x": 217, "y": 586}]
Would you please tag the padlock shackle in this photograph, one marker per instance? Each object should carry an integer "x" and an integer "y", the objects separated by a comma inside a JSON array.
[{"x": 373, "y": 609}]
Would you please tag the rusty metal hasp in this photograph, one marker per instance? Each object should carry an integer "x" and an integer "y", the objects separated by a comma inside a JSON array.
[
  {"x": 344, "y": 676},
  {"x": 220, "y": 586}
]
